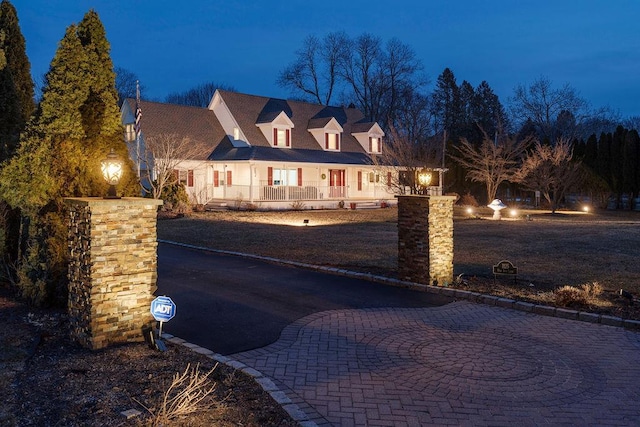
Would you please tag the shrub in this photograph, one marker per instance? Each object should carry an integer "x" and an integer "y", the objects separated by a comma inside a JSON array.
[
  {"x": 298, "y": 205},
  {"x": 469, "y": 200},
  {"x": 188, "y": 393},
  {"x": 175, "y": 198},
  {"x": 568, "y": 296}
]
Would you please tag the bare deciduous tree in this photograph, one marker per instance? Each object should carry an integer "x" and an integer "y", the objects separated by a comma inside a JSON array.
[
  {"x": 198, "y": 96},
  {"x": 403, "y": 157},
  {"x": 160, "y": 156},
  {"x": 554, "y": 112},
  {"x": 491, "y": 162},
  {"x": 550, "y": 170},
  {"x": 315, "y": 70},
  {"x": 126, "y": 84}
]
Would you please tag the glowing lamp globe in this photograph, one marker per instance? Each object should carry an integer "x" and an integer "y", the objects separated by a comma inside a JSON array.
[
  {"x": 424, "y": 178},
  {"x": 112, "y": 173},
  {"x": 497, "y": 206}
]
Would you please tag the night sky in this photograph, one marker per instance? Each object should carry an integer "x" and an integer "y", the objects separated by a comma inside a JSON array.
[{"x": 594, "y": 45}]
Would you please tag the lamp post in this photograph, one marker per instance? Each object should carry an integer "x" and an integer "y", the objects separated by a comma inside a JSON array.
[
  {"x": 112, "y": 172},
  {"x": 424, "y": 177}
]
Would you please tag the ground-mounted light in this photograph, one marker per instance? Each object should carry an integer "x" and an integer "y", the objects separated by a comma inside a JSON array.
[
  {"x": 112, "y": 173},
  {"x": 586, "y": 209},
  {"x": 470, "y": 211},
  {"x": 497, "y": 206},
  {"x": 513, "y": 213},
  {"x": 305, "y": 221}
]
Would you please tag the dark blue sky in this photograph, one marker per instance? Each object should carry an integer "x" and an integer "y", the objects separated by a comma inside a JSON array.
[{"x": 594, "y": 45}]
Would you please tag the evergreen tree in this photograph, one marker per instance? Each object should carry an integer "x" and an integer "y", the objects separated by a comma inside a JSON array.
[
  {"x": 631, "y": 163},
  {"x": 59, "y": 155},
  {"x": 446, "y": 103},
  {"x": 16, "y": 107},
  {"x": 16, "y": 85}
]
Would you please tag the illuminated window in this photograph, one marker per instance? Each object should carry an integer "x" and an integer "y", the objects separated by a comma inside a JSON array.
[
  {"x": 375, "y": 145},
  {"x": 285, "y": 177},
  {"x": 129, "y": 132},
  {"x": 281, "y": 137},
  {"x": 332, "y": 141}
]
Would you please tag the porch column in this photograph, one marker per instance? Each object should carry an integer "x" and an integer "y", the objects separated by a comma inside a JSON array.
[
  {"x": 425, "y": 239},
  {"x": 112, "y": 269}
]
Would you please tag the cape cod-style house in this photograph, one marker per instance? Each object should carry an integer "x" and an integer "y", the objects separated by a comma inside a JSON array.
[{"x": 270, "y": 153}]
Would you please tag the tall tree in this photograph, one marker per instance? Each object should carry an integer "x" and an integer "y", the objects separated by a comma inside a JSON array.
[
  {"x": 631, "y": 164},
  {"x": 198, "y": 96},
  {"x": 127, "y": 84},
  {"x": 543, "y": 104},
  {"x": 492, "y": 162},
  {"x": 487, "y": 110},
  {"x": 76, "y": 125},
  {"x": 16, "y": 85},
  {"x": 362, "y": 70},
  {"x": 315, "y": 71},
  {"x": 402, "y": 69},
  {"x": 447, "y": 104}
]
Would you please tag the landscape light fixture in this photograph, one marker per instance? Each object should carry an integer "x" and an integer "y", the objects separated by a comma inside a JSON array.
[
  {"x": 112, "y": 173},
  {"x": 305, "y": 221},
  {"x": 497, "y": 206}
]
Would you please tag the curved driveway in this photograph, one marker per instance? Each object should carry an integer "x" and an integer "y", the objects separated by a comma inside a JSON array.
[
  {"x": 358, "y": 353},
  {"x": 230, "y": 304}
]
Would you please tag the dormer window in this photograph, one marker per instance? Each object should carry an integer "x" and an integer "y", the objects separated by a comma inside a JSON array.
[
  {"x": 375, "y": 145},
  {"x": 369, "y": 135},
  {"x": 281, "y": 137},
  {"x": 327, "y": 132},
  {"x": 277, "y": 130},
  {"x": 332, "y": 141}
]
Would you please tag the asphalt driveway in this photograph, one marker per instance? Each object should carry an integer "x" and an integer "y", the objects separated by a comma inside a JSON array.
[{"x": 231, "y": 304}]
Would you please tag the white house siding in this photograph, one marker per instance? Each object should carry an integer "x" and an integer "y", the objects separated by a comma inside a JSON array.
[{"x": 250, "y": 185}]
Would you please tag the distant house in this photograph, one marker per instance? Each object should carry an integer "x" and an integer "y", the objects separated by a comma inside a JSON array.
[{"x": 271, "y": 153}]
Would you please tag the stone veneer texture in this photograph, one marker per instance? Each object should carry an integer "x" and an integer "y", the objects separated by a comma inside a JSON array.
[
  {"x": 425, "y": 239},
  {"x": 112, "y": 269}
]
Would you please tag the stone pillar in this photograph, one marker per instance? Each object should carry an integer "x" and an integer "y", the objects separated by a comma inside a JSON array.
[
  {"x": 425, "y": 239},
  {"x": 112, "y": 269}
]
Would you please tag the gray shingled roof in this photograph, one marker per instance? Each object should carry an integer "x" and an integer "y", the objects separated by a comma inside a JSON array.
[
  {"x": 198, "y": 124},
  {"x": 230, "y": 153},
  {"x": 202, "y": 126},
  {"x": 250, "y": 109}
]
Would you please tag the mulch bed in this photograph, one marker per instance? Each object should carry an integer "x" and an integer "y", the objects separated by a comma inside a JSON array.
[{"x": 46, "y": 380}]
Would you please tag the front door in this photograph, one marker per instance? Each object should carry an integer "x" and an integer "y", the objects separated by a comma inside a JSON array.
[{"x": 336, "y": 182}]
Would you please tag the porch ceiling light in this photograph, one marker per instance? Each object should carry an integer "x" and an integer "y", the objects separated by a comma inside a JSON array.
[{"x": 112, "y": 173}]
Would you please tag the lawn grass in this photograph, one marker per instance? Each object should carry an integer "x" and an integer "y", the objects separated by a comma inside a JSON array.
[{"x": 550, "y": 251}]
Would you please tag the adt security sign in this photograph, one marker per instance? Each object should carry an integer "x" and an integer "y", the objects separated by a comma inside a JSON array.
[{"x": 163, "y": 309}]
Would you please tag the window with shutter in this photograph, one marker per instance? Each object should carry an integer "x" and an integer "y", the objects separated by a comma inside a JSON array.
[
  {"x": 216, "y": 178},
  {"x": 228, "y": 178},
  {"x": 190, "y": 178}
]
